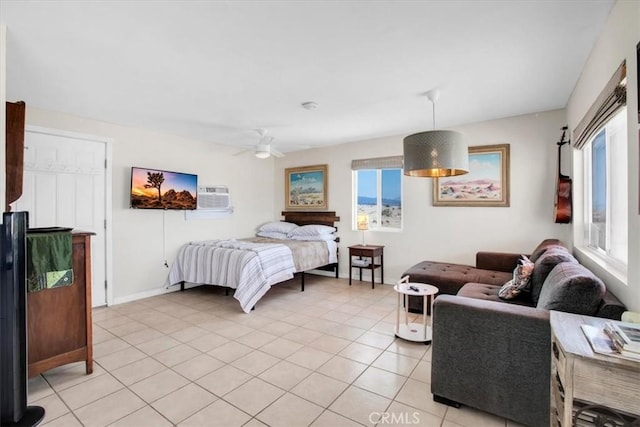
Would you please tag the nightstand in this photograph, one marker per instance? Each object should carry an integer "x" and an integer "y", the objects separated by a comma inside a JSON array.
[
  {"x": 591, "y": 387},
  {"x": 366, "y": 259}
]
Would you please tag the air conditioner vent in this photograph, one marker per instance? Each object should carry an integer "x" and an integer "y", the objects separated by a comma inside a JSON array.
[{"x": 213, "y": 197}]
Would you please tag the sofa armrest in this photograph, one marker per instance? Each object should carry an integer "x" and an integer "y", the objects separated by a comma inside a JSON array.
[
  {"x": 497, "y": 261},
  {"x": 611, "y": 307},
  {"x": 492, "y": 356}
]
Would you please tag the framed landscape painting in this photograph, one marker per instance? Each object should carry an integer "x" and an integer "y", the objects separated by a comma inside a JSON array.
[
  {"x": 306, "y": 188},
  {"x": 486, "y": 184}
]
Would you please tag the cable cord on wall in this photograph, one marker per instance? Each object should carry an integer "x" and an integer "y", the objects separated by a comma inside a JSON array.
[{"x": 164, "y": 238}]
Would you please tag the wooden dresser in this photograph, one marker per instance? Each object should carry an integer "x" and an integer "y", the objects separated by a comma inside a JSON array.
[
  {"x": 602, "y": 390},
  {"x": 59, "y": 319}
]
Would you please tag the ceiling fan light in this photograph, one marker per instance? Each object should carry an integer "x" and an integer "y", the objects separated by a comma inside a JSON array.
[{"x": 263, "y": 151}]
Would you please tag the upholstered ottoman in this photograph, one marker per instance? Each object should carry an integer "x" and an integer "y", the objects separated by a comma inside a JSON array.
[{"x": 449, "y": 278}]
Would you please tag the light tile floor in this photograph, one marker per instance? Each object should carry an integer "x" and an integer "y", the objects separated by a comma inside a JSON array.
[{"x": 324, "y": 357}]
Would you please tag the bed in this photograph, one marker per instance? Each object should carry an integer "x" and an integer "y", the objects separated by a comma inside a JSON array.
[{"x": 252, "y": 265}]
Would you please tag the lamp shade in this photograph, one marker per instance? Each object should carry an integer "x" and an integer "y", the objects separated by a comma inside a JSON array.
[
  {"x": 435, "y": 153},
  {"x": 363, "y": 222}
]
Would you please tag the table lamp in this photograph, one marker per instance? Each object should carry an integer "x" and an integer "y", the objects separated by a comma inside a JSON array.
[{"x": 363, "y": 225}]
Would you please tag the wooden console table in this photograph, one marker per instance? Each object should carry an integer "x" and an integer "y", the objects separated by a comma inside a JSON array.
[
  {"x": 370, "y": 252},
  {"x": 596, "y": 387},
  {"x": 59, "y": 319}
]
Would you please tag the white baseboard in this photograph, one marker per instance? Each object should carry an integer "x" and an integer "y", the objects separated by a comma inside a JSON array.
[
  {"x": 163, "y": 290},
  {"x": 145, "y": 294}
]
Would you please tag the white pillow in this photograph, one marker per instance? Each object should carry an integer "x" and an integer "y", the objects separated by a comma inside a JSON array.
[
  {"x": 317, "y": 237},
  {"x": 312, "y": 230},
  {"x": 272, "y": 235},
  {"x": 278, "y": 226}
]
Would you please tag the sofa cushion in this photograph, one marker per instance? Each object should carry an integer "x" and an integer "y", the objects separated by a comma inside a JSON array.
[
  {"x": 571, "y": 287},
  {"x": 520, "y": 280},
  {"x": 542, "y": 247},
  {"x": 449, "y": 278},
  {"x": 488, "y": 292},
  {"x": 544, "y": 264}
]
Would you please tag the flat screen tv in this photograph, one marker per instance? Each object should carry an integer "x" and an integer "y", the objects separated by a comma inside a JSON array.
[{"x": 160, "y": 189}]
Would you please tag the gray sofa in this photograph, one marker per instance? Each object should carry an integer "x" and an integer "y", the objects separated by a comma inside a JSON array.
[{"x": 494, "y": 354}]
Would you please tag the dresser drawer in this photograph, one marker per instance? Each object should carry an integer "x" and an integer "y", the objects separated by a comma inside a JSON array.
[
  {"x": 616, "y": 387},
  {"x": 365, "y": 252}
]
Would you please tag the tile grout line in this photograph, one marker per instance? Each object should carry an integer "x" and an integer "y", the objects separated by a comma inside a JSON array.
[{"x": 378, "y": 322}]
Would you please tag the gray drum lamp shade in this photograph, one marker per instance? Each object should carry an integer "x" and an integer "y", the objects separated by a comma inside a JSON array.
[{"x": 435, "y": 153}]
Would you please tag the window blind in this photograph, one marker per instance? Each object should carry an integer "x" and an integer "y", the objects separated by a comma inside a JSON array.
[
  {"x": 391, "y": 162},
  {"x": 612, "y": 98}
]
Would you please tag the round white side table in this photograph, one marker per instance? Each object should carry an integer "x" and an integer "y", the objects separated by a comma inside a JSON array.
[{"x": 413, "y": 331}]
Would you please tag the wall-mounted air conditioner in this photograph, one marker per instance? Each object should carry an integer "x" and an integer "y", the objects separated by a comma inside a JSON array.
[
  {"x": 214, "y": 201},
  {"x": 214, "y": 197}
]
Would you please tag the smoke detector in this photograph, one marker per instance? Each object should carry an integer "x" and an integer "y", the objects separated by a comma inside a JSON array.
[{"x": 310, "y": 105}]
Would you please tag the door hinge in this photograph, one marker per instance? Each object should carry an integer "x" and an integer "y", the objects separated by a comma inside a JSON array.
[
  {"x": 105, "y": 163},
  {"x": 105, "y": 224},
  {"x": 105, "y": 285}
]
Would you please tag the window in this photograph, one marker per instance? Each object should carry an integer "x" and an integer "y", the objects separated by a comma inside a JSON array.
[
  {"x": 378, "y": 192},
  {"x": 605, "y": 191}
]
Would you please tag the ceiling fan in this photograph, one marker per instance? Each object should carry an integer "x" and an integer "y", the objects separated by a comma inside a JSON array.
[{"x": 264, "y": 148}]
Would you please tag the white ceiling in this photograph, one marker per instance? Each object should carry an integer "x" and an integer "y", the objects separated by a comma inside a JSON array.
[{"x": 215, "y": 70}]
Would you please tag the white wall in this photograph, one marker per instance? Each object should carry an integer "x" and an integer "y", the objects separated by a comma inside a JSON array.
[
  {"x": 616, "y": 42},
  {"x": 452, "y": 234},
  {"x": 138, "y": 256},
  {"x": 436, "y": 233}
]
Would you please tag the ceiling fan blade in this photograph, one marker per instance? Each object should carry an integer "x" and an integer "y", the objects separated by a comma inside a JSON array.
[{"x": 276, "y": 153}]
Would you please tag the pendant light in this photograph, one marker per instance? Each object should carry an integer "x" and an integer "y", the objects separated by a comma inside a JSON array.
[{"x": 435, "y": 153}]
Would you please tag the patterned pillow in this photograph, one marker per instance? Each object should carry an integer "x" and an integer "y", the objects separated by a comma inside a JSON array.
[{"x": 520, "y": 281}]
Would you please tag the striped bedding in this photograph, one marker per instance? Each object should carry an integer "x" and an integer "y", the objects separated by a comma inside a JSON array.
[
  {"x": 307, "y": 255},
  {"x": 250, "y": 266}
]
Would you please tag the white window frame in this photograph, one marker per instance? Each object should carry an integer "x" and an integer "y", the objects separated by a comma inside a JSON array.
[
  {"x": 616, "y": 131},
  {"x": 379, "y": 206}
]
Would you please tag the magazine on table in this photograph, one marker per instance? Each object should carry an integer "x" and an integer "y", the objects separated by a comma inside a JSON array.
[
  {"x": 602, "y": 343},
  {"x": 625, "y": 336}
]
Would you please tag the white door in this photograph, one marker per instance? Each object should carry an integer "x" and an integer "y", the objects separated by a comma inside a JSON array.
[{"x": 65, "y": 185}]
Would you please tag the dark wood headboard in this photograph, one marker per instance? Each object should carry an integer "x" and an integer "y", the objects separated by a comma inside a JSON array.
[{"x": 311, "y": 217}]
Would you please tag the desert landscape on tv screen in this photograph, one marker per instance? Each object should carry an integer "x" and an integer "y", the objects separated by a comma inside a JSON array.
[{"x": 154, "y": 189}]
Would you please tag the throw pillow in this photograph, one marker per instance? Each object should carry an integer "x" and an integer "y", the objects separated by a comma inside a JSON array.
[
  {"x": 316, "y": 238},
  {"x": 542, "y": 247},
  {"x": 272, "y": 235},
  {"x": 312, "y": 230},
  {"x": 278, "y": 226},
  {"x": 573, "y": 288},
  {"x": 520, "y": 281},
  {"x": 543, "y": 265}
]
